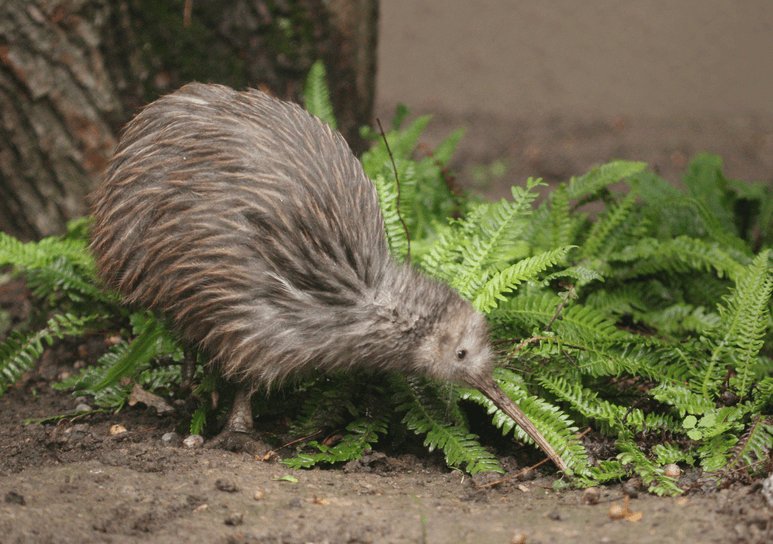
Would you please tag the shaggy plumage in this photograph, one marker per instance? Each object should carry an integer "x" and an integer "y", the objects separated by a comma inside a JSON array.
[{"x": 252, "y": 226}]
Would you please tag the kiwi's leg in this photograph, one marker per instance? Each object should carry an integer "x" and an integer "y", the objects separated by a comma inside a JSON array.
[
  {"x": 188, "y": 370},
  {"x": 240, "y": 417},
  {"x": 237, "y": 434}
]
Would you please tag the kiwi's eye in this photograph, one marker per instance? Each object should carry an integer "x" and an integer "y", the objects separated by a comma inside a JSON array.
[{"x": 461, "y": 354}]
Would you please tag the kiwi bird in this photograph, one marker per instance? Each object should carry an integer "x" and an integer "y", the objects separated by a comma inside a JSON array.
[{"x": 250, "y": 224}]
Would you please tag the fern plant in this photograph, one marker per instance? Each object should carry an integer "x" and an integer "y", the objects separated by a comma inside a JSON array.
[{"x": 647, "y": 322}]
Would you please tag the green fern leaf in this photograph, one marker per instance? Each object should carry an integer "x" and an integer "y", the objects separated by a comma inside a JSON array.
[
  {"x": 360, "y": 436},
  {"x": 706, "y": 184},
  {"x": 20, "y": 352},
  {"x": 744, "y": 319},
  {"x": 316, "y": 96},
  {"x": 680, "y": 255},
  {"x": 491, "y": 231},
  {"x": 504, "y": 281},
  {"x": 199, "y": 419},
  {"x": 425, "y": 414},
  {"x": 651, "y": 474},
  {"x": 138, "y": 353},
  {"x": 598, "y": 243},
  {"x": 602, "y": 177},
  {"x": 755, "y": 446}
]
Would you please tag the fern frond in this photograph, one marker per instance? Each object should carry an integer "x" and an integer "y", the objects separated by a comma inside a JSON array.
[
  {"x": 425, "y": 414},
  {"x": 504, "y": 281},
  {"x": 679, "y": 319},
  {"x": 32, "y": 255},
  {"x": 53, "y": 265},
  {"x": 563, "y": 225},
  {"x": 755, "y": 446},
  {"x": 360, "y": 436},
  {"x": 612, "y": 417},
  {"x": 744, "y": 317},
  {"x": 669, "y": 452},
  {"x": 492, "y": 231},
  {"x": 581, "y": 274},
  {"x": 441, "y": 260},
  {"x": 716, "y": 451},
  {"x": 327, "y": 403},
  {"x": 151, "y": 341},
  {"x": 680, "y": 255},
  {"x": 60, "y": 276},
  {"x": 651, "y": 474},
  {"x": 681, "y": 398},
  {"x": 706, "y": 184},
  {"x": 577, "y": 323},
  {"x": 605, "y": 471},
  {"x": 199, "y": 419},
  {"x": 602, "y": 177},
  {"x": 20, "y": 352},
  {"x": 393, "y": 223},
  {"x": 763, "y": 396},
  {"x": 316, "y": 96},
  {"x": 598, "y": 242}
]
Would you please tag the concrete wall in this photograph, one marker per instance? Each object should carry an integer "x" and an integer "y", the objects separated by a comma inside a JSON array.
[
  {"x": 664, "y": 57},
  {"x": 554, "y": 87}
]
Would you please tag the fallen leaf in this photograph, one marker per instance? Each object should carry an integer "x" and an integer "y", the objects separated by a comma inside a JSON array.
[
  {"x": 634, "y": 516},
  {"x": 138, "y": 394}
]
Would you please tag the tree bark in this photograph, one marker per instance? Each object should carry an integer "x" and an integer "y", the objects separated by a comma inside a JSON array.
[{"x": 72, "y": 72}]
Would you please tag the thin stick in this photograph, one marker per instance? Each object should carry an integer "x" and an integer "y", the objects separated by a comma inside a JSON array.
[
  {"x": 397, "y": 181},
  {"x": 271, "y": 453},
  {"x": 187, "y": 11},
  {"x": 523, "y": 471},
  {"x": 513, "y": 476}
]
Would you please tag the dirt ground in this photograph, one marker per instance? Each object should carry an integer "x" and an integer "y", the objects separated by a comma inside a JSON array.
[{"x": 75, "y": 482}]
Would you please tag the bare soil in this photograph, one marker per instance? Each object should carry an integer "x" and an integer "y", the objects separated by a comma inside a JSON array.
[{"x": 74, "y": 481}]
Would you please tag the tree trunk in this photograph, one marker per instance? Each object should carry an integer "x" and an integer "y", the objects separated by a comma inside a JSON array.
[{"x": 72, "y": 72}]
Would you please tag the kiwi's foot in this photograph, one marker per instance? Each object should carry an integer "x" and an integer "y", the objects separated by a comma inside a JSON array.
[
  {"x": 238, "y": 442},
  {"x": 238, "y": 434}
]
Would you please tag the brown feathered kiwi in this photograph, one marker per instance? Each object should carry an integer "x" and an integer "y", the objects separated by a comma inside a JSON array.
[{"x": 250, "y": 224}]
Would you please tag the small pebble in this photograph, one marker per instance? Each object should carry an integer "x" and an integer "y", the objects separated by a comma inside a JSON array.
[
  {"x": 193, "y": 441},
  {"x": 672, "y": 470},
  {"x": 12, "y": 497},
  {"x": 226, "y": 485},
  {"x": 616, "y": 511},
  {"x": 767, "y": 489},
  {"x": 630, "y": 490},
  {"x": 592, "y": 495},
  {"x": 234, "y": 519},
  {"x": 519, "y": 537},
  {"x": 171, "y": 439},
  {"x": 259, "y": 494},
  {"x": 117, "y": 429},
  {"x": 113, "y": 340},
  {"x": 555, "y": 515},
  {"x": 83, "y": 407}
]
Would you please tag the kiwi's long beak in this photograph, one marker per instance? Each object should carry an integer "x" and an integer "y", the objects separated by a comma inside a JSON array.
[{"x": 490, "y": 388}]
